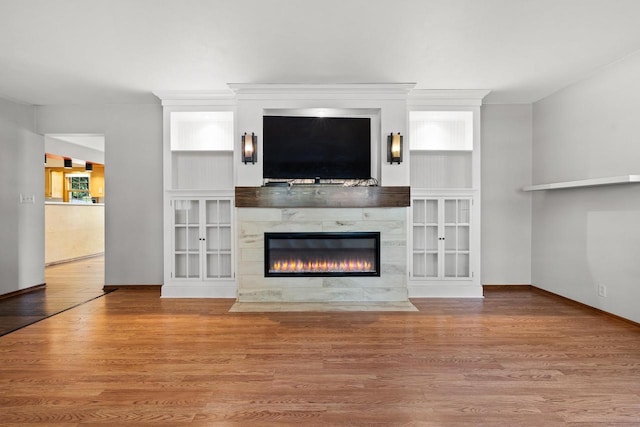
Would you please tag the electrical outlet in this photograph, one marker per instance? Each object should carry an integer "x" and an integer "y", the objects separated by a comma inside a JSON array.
[{"x": 602, "y": 291}]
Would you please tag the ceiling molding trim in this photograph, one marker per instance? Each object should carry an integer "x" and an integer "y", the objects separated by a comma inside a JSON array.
[
  {"x": 425, "y": 97},
  {"x": 196, "y": 97},
  {"x": 321, "y": 91},
  {"x": 238, "y": 91}
]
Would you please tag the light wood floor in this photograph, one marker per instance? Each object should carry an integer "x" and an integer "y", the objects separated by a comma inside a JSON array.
[
  {"x": 84, "y": 275},
  {"x": 516, "y": 358}
]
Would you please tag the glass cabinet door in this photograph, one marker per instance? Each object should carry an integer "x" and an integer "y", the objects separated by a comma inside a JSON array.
[
  {"x": 425, "y": 238},
  {"x": 186, "y": 242},
  {"x": 202, "y": 241},
  {"x": 218, "y": 239},
  {"x": 456, "y": 237},
  {"x": 441, "y": 238}
]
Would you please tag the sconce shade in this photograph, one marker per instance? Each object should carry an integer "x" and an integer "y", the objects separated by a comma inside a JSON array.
[
  {"x": 68, "y": 164},
  {"x": 249, "y": 148},
  {"x": 394, "y": 148}
]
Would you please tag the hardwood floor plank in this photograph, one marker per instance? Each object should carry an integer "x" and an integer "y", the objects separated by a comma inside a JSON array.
[{"x": 513, "y": 359}]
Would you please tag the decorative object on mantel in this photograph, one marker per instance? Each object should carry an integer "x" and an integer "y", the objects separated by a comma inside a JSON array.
[
  {"x": 394, "y": 148},
  {"x": 249, "y": 148},
  {"x": 593, "y": 182}
]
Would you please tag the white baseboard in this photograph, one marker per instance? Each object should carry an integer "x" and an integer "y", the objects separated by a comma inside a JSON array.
[
  {"x": 204, "y": 290},
  {"x": 444, "y": 291}
]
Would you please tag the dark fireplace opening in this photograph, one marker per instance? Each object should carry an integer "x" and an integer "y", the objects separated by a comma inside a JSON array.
[{"x": 322, "y": 254}]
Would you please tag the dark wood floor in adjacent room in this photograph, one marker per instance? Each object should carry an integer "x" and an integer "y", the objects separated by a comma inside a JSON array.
[
  {"x": 516, "y": 358},
  {"x": 67, "y": 285}
]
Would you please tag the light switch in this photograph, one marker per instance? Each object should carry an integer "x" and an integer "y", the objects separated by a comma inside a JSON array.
[{"x": 27, "y": 199}]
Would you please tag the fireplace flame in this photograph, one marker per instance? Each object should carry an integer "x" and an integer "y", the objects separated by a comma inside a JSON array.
[{"x": 321, "y": 266}]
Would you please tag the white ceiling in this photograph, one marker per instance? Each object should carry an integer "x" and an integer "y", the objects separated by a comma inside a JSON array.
[
  {"x": 119, "y": 51},
  {"x": 94, "y": 142}
]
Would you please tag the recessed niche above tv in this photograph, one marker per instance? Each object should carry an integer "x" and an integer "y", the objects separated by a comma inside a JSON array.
[{"x": 301, "y": 147}]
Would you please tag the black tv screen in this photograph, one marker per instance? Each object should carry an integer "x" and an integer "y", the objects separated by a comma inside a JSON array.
[{"x": 316, "y": 147}]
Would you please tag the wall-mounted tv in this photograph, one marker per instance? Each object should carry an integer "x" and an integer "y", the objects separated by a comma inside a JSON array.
[{"x": 296, "y": 147}]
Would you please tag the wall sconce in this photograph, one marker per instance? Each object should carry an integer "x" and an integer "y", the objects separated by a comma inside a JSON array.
[
  {"x": 67, "y": 163},
  {"x": 88, "y": 167},
  {"x": 394, "y": 148},
  {"x": 249, "y": 148}
]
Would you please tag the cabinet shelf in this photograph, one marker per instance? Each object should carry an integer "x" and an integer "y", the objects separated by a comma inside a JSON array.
[{"x": 593, "y": 182}]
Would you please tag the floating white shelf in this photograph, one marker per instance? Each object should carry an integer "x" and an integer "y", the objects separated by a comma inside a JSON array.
[{"x": 593, "y": 182}]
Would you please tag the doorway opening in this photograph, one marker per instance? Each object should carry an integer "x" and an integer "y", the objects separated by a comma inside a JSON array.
[{"x": 75, "y": 197}]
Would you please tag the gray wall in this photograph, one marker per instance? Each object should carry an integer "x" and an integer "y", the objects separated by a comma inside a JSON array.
[
  {"x": 506, "y": 209},
  {"x": 133, "y": 183},
  {"x": 134, "y": 173},
  {"x": 586, "y": 237},
  {"x": 21, "y": 225}
]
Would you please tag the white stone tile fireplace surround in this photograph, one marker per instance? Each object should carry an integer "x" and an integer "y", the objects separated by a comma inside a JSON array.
[{"x": 254, "y": 222}]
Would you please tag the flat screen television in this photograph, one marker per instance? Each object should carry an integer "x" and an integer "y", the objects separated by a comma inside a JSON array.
[{"x": 297, "y": 147}]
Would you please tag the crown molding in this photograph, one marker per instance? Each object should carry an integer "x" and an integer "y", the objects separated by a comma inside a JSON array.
[
  {"x": 425, "y": 97},
  {"x": 195, "y": 97},
  {"x": 414, "y": 97},
  {"x": 294, "y": 90}
]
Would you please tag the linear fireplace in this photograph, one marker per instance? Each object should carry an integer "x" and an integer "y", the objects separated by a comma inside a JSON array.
[{"x": 322, "y": 254}]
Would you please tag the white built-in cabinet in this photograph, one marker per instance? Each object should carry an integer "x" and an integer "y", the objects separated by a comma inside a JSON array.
[
  {"x": 198, "y": 178},
  {"x": 201, "y": 166},
  {"x": 444, "y": 230}
]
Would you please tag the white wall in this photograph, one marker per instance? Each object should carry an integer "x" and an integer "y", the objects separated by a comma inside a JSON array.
[
  {"x": 506, "y": 209},
  {"x": 31, "y": 215},
  {"x": 133, "y": 177},
  {"x": 21, "y": 225},
  {"x": 589, "y": 236},
  {"x": 8, "y": 203}
]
